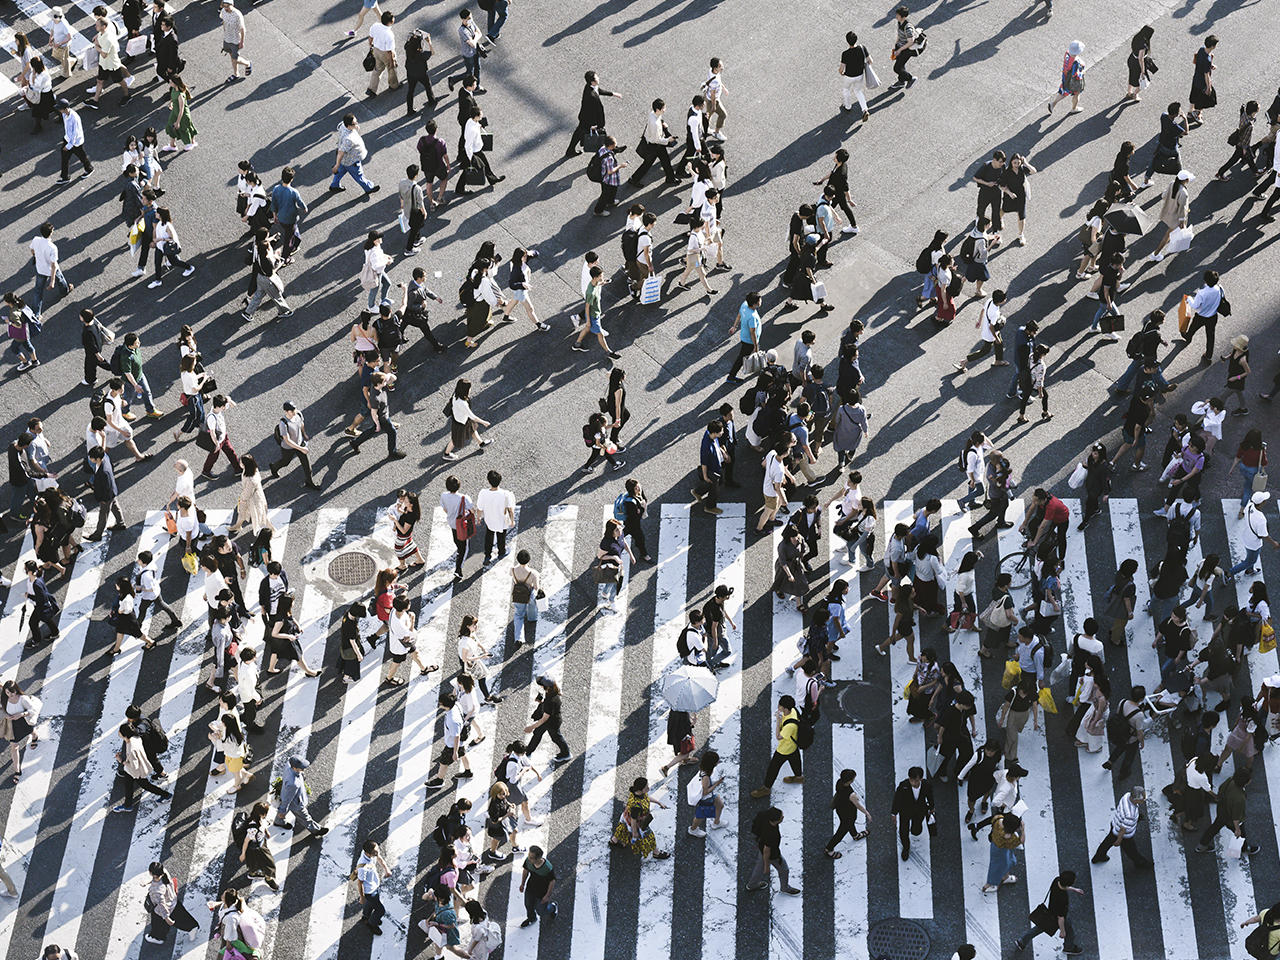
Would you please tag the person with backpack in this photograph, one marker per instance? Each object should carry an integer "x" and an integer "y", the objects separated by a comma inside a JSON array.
[
  {"x": 369, "y": 884},
  {"x": 793, "y": 735},
  {"x": 134, "y": 769},
  {"x": 235, "y": 923},
  {"x": 250, "y": 834},
  {"x": 974, "y": 253},
  {"x": 769, "y": 842},
  {"x": 147, "y": 583},
  {"x": 1126, "y": 729},
  {"x": 164, "y": 906},
  {"x": 1264, "y": 943}
]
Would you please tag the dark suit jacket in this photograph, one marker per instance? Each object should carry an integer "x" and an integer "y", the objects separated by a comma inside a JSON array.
[
  {"x": 104, "y": 483},
  {"x": 906, "y": 805},
  {"x": 44, "y": 601},
  {"x": 591, "y": 113},
  {"x": 167, "y": 57},
  {"x": 465, "y": 102}
]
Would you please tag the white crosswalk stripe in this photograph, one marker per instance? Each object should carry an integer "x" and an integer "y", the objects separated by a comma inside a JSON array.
[{"x": 1070, "y": 806}]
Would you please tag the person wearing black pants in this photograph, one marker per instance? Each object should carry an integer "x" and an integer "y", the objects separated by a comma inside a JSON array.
[
  {"x": 634, "y": 503},
  {"x": 729, "y": 443},
  {"x": 846, "y": 804},
  {"x": 610, "y": 177},
  {"x": 417, "y": 51},
  {"x": 1128, "y": 710},
  {"x": 590, "y": 113},
  {"x": 955, "y": 740},
  {"x": 654, "y": 146},
  {"x": 414, "y": 310},
  {"x": 710, "y": 468},
  {"x": 73, "y": 140},
  {"x": 135, "y": 769},
  {"x": 796, "y": 233},
  {"x": 1124, "y": 823},
  {"x": 904, "y": 48},
  {"x": 912, "y": 807},
  {"x": 91, "y": 340},
  {"x": 547, "y": 721}
]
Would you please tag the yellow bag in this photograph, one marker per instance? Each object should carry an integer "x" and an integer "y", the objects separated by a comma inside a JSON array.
[
  {"x": 190, "y": 563},
  {"x": 1046, "y": 700},
  {"x": 906, "y": 691},
  {"x": 1012, "y": 671},
  {"x": 1266, "y": 638},
  {"x": 1184, "y": 315}
]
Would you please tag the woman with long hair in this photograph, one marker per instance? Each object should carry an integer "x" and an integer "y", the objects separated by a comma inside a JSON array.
[
  {"x": 464, "y": 424},
  {"x": 164, "y": 906},
  {"x": 404, "y": 516},
  {"x": 266, "y": 264},
  {"x": 252, "y": 505},
  {"x": 192, "y": 382},
  {"x": 519, "y": 285},
  {"x": 125, "y": 614},
  {"x": 904, "y": 624},
  {"x": 373, "y": 276},
  {"x": 166, "y": 245},
  {"x": 285, "y": 638},
  {"x": 181, "y": 126},
  {"x": 20, "y": 715}
]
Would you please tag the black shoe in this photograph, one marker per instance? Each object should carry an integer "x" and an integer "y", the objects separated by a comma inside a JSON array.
[
  {"x": 906, "y": 853},
  {"x": 337, "y": 189},
  {"x": 451, "y": 81},
  {"x": 321, "y": 832},
  {"x": 911, "y": 82}
]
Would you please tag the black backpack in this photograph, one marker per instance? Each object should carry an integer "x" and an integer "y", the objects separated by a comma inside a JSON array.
[
  {"x": 428, "y": 158},
  {"x": 239, "y": 828},
  {"x": 1118, "y": 728},
  {"x": 682, "y": 644},
  {"x": 441, "y": 833},
  {"x": 747, "y": 404},
  {"x": 98, "y": 403},
  {"x": 278, "y": 433},
  {"x": 1179, "y": 534},
  {"x": 117, "y": 361},
  {"x": 968, "y": 249},
  {"x": 804, "y": 732},
  {"x": 1044, "y": 644},
  {"x": 924, "y": 262},
  {"x": 631, "y": 244},
  {"x": 595, "y": 168},
  {"x": 1133, "y": 349}
]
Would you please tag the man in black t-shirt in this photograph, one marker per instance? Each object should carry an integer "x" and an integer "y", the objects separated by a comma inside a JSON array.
[
  {"x": 853, "y": 64},
  {"x": 1058, "y": 906},
  {"x": 796, "y": 240},
  {"x": 768, "y": 841},
  {"x": 988, "y": 180},
  {"x": 537, "y": 883},
  {"x": 1141, "y": 411},
  {"x": 1109, "y": 288}
]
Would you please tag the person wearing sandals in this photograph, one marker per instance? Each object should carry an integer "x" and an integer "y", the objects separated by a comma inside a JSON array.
[
  {"x": 634, "y": 831},
  {"x": 846, "y": 803},
  {"x": 469, "y": 704},
  {"x": 404, "y": 516},
  {"x": 680, "y": 727},
  {"x": 904, "y": 624},
  {"x": 1072, "y": 84},
  {"x": 21, "y": 712},
  {"x": 454, "y": 748},
  {"x": 709, "y": 803},
  {"x": 1008, "y": 833},
  {"x": 124, "y": 615},
  {"x": 285, "y": 638},
  {"x": 1032, "y": 383},
  {"x": 472, "y": 656},
  {"x": 227, "y": 736}
]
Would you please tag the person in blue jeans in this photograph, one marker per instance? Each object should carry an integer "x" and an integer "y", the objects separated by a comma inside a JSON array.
[
  {"x": 538, "y": 883},
  {"x": 1058, "y": 903},
  {"x": 1252, "y": 535},
  {"x": 1251, "y": 456},
  {"x": 350, "y": 158},
  {"x": 1024, "y": 341},
  {"x": 975, "y": 467},
  {"x": 497, "y": 17},
  {"x": 526, "y": 583}
]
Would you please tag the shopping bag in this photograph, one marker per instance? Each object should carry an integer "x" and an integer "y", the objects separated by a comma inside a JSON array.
[
  {"x": 1235, "y": 847},
  {"x": 693, "y": 792},
  {"x": 1184, "y": 315},
  {"x": 404, "y": 223},
  {"x": 870, "y": 79},
  {"x": 1012, "y": 671},
  {"x": 1046, "y": 701},
  {"x": 190, "y": 563},
  {"x": 1180, "y": 239},
  {"x": 933, "y": 760},
  {"x": 1061, "y": 671},
  {"x": 1267, "y": 639},
  {"x": 819, "y": 291},
  {"x": 543, "y": 602},
  {"x": 136, "y": 46},
  {"x": 171, "y": 523},
  {"x": 650, "y": 290},
  {"x": 1076, "y": 480}
]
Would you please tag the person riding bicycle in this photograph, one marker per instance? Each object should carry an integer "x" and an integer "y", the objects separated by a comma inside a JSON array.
[{"x": 1049, "y": 515}]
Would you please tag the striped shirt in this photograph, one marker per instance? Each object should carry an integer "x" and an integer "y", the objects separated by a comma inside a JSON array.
[{"x": 1124, "y": 820}]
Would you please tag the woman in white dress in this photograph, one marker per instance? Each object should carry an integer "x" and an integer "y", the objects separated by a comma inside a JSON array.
[{"x": 252, "y": 506}]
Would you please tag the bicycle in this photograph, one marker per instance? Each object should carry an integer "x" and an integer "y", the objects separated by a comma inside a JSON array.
[{"x": 1019, "y": 563}]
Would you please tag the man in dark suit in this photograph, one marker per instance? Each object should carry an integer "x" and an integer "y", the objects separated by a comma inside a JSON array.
[
  {"x": 168, "y": 60},
  {"x": 105, "y": 492},
  {"x": 466, "y": 100},
  {"x": 912, "y": 806},
  {"x": 591, "y": 113},
  {"x": 44, "y": 606}
]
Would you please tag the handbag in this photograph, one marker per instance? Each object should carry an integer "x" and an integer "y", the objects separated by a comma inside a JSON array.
[
  {"x": 693, "y": 792},
  {"x": 1044, "y": 919},
  {"x": 1260, "y": 480},
  {"x": 1234, "y": 139},
  {"x": 170, "y": 523},
  {"x": 1076, "y": 480},
  {"x": 1047, "y": 609},
  {"x": 594, "y": 139},
  {"x": 688, "y": 745},
  {"x": 404, "y": 223},
  {"x": 819, "y": 291},
  {"x": 486, "y": 141},
  {"x": 753, "y": 364},
  {"x": 189, "y": 562},
  {"x": 870, "y": 79},
  {"x": 650, "y": 290},
  {"x": 475, "y": 177},
  {"x": 1180, "y": 239},
  {"x": 1075, "y": 83},
  {"x": 1235, "y": 847},
  {"x": 1224, "y": 306},
  {"x": 369, "y": 63},
  {"x": 1111, "y": 323},
  {"x": 543, "y": 602},
  {"x": 605, "y": 573},
  {"x": 1184, "y": 315},
  {"x": 136, "y": 46},
  {"x": 204, "y": 440},
  {"x": 1047, "y": 701}
]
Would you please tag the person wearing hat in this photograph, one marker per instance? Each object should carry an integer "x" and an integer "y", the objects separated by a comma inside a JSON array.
[
  {"x": 1175, "y": 209},
  {"x": 1251, "y": 537},
  {"x": 233, "y": 40},
  {"x": 72, "y": 140},
  {"x": 1237, "y": 372},
  {"x": 1072, "y": 84},
  {"x": 291, "y": 434},
  {"x": 60, "y": 42},
  {"x": 293, "y": 798}
]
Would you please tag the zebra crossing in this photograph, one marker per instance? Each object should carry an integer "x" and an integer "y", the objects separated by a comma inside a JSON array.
[{"x": 80, "y": 868}]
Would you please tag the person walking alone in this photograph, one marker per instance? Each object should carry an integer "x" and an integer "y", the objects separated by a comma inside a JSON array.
[{"x": 769, "y": 841}]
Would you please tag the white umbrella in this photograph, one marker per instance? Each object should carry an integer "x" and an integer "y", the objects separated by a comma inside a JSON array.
[{"x": 689, "y": 688}]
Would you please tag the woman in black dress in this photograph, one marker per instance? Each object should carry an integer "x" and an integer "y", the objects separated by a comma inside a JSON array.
[
  {"x": 1139, "y": 54},
  {"x": 1203, "y": 94},
  {"x": 680, "y": 727}
]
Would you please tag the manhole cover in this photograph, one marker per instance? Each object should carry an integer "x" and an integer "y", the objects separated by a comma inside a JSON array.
[
  {"x": 860, "y": 702},
  {"x": 352, "y": 569},
  {"x": 898, "y": 939}
]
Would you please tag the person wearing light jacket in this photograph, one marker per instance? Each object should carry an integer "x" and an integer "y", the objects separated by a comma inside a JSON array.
[{"x": 135, "y": 769}]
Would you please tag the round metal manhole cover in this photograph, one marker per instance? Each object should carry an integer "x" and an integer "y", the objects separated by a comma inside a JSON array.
[
  {"x": 352, "y": 569},
  {"x": 862, "y": 702},
  {"x": 898, "y": 939}
]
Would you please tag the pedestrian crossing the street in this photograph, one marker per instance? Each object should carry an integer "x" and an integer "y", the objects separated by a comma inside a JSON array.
[{"x": 80, "y": 868}]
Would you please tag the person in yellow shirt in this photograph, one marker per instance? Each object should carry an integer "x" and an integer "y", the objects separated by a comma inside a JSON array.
[{"x": 787, "y": 727}]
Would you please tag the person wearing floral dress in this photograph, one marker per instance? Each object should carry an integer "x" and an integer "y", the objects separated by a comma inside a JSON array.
[{"x": 633, "y": 830}]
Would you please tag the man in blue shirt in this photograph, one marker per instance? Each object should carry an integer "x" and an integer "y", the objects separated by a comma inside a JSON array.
[
  {"x": 710, "y": 468},
  {"x": 748, "y": 328},
  {"x": 288, "y": 207}
]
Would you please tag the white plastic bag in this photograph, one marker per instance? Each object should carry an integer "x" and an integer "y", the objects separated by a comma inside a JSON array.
[
  {"x": 1076, "y": 480},
  {"x": 693, "y": 792},
  {"x": 1180, "y": 239},
  {"x": 1235, "y": 847}
]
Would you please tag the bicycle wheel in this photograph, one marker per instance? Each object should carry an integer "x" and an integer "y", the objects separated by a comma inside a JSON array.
[{"x": 1018, "y": 567}]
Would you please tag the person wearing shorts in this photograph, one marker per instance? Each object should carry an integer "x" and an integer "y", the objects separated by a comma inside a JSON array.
[
  {"x": 110, "y": 69},
  {"x": 455, "y": 747},
  {"x": 233, "y": 40}
]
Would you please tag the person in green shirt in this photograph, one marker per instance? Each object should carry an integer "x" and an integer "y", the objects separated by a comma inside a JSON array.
[
  {"x": 593, "y": 324},
  {"x": 131, "y": 370},
  {"x": 1231, "y": 802}
]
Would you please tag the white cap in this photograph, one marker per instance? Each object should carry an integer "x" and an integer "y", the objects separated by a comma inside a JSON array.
[
  {"x": 1182, "y": 174},
  {"x": 56, "y": 11},
  {"x": 1260, "y": 498}
]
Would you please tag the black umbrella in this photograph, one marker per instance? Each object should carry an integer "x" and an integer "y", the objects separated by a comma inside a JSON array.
[{"x": 1127, "y": 218}]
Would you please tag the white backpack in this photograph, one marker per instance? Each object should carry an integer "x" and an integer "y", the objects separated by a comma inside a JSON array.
[{"x": 253, "y": 929}]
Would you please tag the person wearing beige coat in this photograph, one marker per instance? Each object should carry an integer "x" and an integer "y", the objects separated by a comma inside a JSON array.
[
  {"x": 1175, "y": 210},
  {"x": 135, "y": 769}
]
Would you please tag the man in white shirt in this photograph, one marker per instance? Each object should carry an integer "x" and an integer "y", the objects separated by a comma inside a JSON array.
[
  {"x": 654, "y": 146},
  {"x": 496, "y": 508},
  {"x": 72, "y": 140},
  {"x": 1252, "y": 535},
  {"x": 370, "y": 885},
  {"x": 147, "y": 583},
  {"x": 715, "y": 96},
  {"x": 990, "y": 324},
  {"x": 455, "y": 747},
  {"x": 473, "y": 146},
  {"x": 60, "y": 42},
  {"x": 775, "y": 475},
  {"x": 184, "y": 485},
  {"x": 233, "y": 40},
  {"x": 382, "y": 44},
  {"x": 114, "y": 410},
  {"x": 45, "y": 254},
  {"x": 1206, "y": 303}
]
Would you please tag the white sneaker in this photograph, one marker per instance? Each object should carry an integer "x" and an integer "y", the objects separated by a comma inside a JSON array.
[
  {"x": 12, "y": 895},
  {"x": 1123, "y": 287},
  {"x": 189, "y": 271},
  {"x": 153, "y": 284},
  {"x": 151, "y": 939},
  {"x": 195, "y": 933},
  {"x": 1093, "y": 295},
  {"x": 532, "y": 823},
  {"x": 720, "y": 136},
  {"x": 138, "y": 273},
  {"x": 696, "y": 833},
  {"x": 1156, "y": 257},
  {"x": 853, "y": 231}
]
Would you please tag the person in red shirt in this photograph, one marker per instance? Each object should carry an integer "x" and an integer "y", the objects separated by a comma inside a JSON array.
[{"x": 1050, "y": 514}]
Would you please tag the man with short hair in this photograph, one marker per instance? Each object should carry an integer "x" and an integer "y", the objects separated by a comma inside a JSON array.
[
  {"x": 370, "y": 885},
  {"x": 91, "y": 340},
  {"x": 382, "y": 44},
  {"x": 131, "y": 370},
  {"x": 1054, "y": 515},
  {"x": 786, "y": 732},
  {"x": 537, "y": 883},
  {"x": 1231, "y": 812},
  {"x": 769, "y": 841},
  {"x": 105, "y": 493},
  {"x": 72, "y": 140},
  {"x": 44, "y": 253},
  {"x": 293, "y": 799},
  {"x": 379, "y": 413},
  {"x": 433, "y": 162},
  {"x": 110, "y": 69},
  {"x": 1152, "y": 341},
  {"x": 496, "y": 509},
  {"x": 1205, "y": 306},
  {"x": 903, "y": 49},
  {"x": 988, "y": 180},
  {"x": 1124, "y": 823},
  {"x": 590, "y": 113},
  {"x": 1058, "y": 903},
  {"x": 654, "y": 145},
  {"x": 710, "y": 468},
  {"x": 288, "y": 207},
  {"x": 291, "y": 433},
  {"x": 168, "y": 59},
  {"x": 1253, "y": 533},
  {"x": 913, "y": 803},
  {"x": 776, "y": 476},
  {"x": 748, "y": 330},
  {"x": 216, "y": 425},
  {"x": 455, "y": 745},
  {"x": 610, "y": 176},
  {"x": 415, "y": 307},
  {"x": 473, "y": 150},
  {"x": 233, "y": 40},
  {"x": 471, "y": 42},
  {"x": 350, "y": 158},
  {"x": 413, "y": 207}
]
